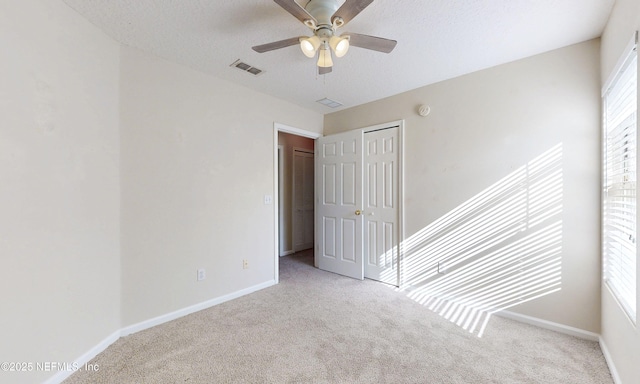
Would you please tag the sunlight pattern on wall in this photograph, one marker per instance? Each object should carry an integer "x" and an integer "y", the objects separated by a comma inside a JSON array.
[{"x": 501, "y": 248}]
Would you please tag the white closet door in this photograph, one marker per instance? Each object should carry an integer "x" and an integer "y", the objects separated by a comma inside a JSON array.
[
  {"x": 303, "y": 181},
  {"x": 381, "y": 213},
  {"x": 339, "y": 204}
]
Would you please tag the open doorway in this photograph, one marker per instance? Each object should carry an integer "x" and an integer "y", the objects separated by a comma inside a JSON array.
[
  {"x": 295, "y": 193},
  {"x": 294, "y": 171}
]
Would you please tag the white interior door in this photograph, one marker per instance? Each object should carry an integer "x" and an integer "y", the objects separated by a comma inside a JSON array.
[
  {"x": 303, "y": 185},
  {"x": 381, "y": 187},
  {"x": 339, "y": 204}
]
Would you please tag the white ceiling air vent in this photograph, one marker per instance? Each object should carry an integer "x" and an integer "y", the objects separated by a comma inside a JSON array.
[
  {"x": 246, "y": 67},
  {"x": 329, "y": 103}
]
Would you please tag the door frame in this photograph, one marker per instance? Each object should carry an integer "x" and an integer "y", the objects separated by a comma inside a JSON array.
[{"x": 278, "y": 127}]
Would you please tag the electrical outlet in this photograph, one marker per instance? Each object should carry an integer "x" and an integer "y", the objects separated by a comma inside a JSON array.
[
  {"x": 268, "y": 199},
  {"x": 202, "y": 274},
  {"x": 245, "y": 264}
]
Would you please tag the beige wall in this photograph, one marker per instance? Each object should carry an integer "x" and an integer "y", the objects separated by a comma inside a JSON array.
[
  {"x": 289, "y": 142},
  {"x": 121, "y": 175},
  {"x": 197, "y": 164},
  {"x": 621, "y": 337},
  {"x": 485, "y": 125},
  {"x": 59, "y": 186}
]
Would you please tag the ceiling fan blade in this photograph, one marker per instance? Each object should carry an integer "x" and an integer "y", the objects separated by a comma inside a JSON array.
[
  {"x": 276, "y": 45},
  {"x": 371, "y": 42},
  {"x": 351, "y": 9},
  {"x": 324, "y": 70},
  {"x": 296, "y": 10}
]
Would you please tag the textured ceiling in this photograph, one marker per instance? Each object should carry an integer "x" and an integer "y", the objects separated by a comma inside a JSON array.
[{"x": 437, "y": 40}]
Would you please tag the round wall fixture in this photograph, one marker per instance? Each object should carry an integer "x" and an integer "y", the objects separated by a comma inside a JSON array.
[{"x": 424, "y": 110}]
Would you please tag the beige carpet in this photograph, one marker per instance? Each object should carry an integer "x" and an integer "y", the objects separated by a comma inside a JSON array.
[{"x": 318, "y": 327}]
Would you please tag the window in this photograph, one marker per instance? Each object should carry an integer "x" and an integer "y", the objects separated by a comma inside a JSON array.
[{"x": 620, "y": 108}]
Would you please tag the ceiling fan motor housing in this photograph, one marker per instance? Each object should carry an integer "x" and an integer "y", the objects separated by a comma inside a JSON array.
[{"x": 322, "y": 10}]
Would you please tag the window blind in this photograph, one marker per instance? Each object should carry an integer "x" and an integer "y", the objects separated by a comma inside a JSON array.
[{"x": 619, "y": 195}]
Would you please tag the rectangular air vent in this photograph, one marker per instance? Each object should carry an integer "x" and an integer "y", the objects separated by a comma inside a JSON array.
[
  {"x": 246, "y": 67},
  {"x": 329, "y": 103}
]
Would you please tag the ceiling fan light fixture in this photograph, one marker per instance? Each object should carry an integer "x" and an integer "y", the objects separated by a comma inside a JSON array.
[
  {"x": 324, "y": 18},
  {"x": 309, "y": 45},
  {"x": 340, "y": 45},
  {"x": 324, "y": 58}
]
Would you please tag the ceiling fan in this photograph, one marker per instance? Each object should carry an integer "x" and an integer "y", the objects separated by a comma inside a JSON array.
[{"x": 324, "y": 18}]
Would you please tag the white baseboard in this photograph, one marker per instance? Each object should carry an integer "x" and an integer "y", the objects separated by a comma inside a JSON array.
[
  {"x": 85, "y": 358},
  {"x": 577, "y": 332},
  {"x": 287, "y": 253},
  {"x": 561, "y": 328},
  {"x": 609, "y": 360},
  {"x": 104, "y": 344},
  {"x": 191, "y": 309}
]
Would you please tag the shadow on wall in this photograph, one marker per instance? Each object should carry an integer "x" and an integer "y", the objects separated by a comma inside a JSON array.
[{"x": 501, "y": 248}]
